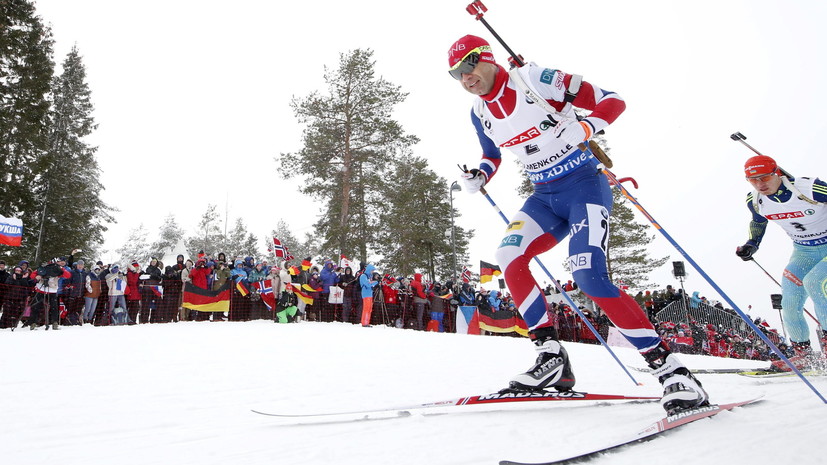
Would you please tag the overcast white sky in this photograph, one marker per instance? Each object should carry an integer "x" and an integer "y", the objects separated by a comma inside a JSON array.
[{"x": 192, "y": 99}]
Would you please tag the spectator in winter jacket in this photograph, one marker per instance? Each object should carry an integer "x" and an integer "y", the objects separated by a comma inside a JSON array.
[
  {"x": 494, "y": 300},
  {"x": 18, "y": 287},
  {"x": 258, "y": 273},
  {"x": 74, "y": 288},
  {"x": 150, "y": 301},
  {"x": 438, "y": 305},
  {"x": 367, "y": 284},
  {"x": 466, "y": 295},
  {"x": 419, "y": 298},
  {"x": 329, "y": 277},
  {"x": 286, "y": 306},
  {"x": 238, "y": 273},
  {"x": 117, "y": 288},
  {"x": 284, "y": 277},
  {"x": 92, "y": 291},
  {"x": 198, "y": 275},
  {"x": 185, "y": 278},
  {"x": 133, "y": 293},
  {"x": 349, "y": 285},
  {"x": 47, "y": 282}
]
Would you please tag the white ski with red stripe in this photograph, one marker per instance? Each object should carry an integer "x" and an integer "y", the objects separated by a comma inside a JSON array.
[
  {"x": 652, "y": 431},
  {"x": 498, "y": 400}
]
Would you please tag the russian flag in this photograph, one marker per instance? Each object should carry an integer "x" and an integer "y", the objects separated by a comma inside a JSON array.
[
  {"x": 157, "y": 290},
  {"x": 11, "y": 231},
  {"x": 468, "y": 320}
]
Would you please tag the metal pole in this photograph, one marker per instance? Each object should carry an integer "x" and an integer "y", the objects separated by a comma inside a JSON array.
[
  {"x": 454, "y": 187},
  {"x": 42, "y": 220}
]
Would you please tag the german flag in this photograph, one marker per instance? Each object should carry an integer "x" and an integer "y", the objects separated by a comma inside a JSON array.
[
  {"x": 502, "y": 321},
  {"x": 242, "y": 286},
  {"x": 488, "y": 271},
  {"x": 297, "y": 289},
  {"x": 205, "y": 300}
]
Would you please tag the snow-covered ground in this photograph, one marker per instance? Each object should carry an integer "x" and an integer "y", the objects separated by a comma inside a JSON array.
[{"x": 182, "y": 394}]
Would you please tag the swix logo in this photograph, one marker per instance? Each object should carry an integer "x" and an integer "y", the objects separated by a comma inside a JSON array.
[
  {"x": 522, "y": 138},
  {"x": 558, "y": 83},
  {"x": 576, "y": 227},
  {"x": 785, "y": 216}
]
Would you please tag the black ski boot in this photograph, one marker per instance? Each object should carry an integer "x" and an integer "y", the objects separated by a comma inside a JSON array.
[
  {"x": 681, "y": 390},
  {"x": 552, "y": 369}
]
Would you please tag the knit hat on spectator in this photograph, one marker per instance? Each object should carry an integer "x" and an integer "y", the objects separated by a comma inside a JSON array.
[{"x": 760, "y": 165}]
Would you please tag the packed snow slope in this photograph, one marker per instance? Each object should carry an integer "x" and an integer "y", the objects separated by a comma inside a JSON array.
[{"x": 182, "y": 394}]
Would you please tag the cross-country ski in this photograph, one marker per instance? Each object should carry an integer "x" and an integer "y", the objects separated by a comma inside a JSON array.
[
  {"x": 477, "y": 403},
  {"x": 648, "y": 433}
]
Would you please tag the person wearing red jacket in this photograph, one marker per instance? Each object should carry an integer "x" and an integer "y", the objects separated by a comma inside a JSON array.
[
  {"x": 419, "y": 298},
  {"x": 133, "y": 293}
]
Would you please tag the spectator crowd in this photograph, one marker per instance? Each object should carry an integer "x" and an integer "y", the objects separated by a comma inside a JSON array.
[{"x": 65, "y": 291}]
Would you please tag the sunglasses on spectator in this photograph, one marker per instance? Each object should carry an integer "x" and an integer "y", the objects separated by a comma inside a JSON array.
[{"x": 468, "y": 62}]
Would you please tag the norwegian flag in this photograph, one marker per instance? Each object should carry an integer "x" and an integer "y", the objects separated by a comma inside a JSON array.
[
  {"x": 265, "y": 289},
  {"x": 466, "y": 274},
  {"x": 279, "y": 249},
  {"x": 622, "y": 286}
]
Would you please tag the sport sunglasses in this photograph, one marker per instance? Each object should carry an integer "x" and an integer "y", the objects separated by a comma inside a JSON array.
[{"x": 468, "y": 62}]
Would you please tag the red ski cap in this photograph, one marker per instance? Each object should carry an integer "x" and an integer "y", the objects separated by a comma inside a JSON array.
[
  {"x": 760, "y": 165},
  {"x": 467, "y": 45}
]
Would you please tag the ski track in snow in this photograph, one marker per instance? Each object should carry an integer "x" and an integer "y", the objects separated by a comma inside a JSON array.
[{"x": 182, "y": 393}]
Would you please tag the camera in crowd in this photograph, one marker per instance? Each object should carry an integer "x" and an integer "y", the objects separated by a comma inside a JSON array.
[{"x": 52, "y": 270}]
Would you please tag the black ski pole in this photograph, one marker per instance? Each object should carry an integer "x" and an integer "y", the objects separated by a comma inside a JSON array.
[
  {"x": 477, "y": 10},
  {"x": 743, "y": 139},
  {"x": 779, "y": 285}
]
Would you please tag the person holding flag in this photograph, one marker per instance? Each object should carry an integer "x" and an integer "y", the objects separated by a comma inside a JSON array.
[
  {"x": 571, "y": 198},
  {"x": 799, "y": 206}
]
